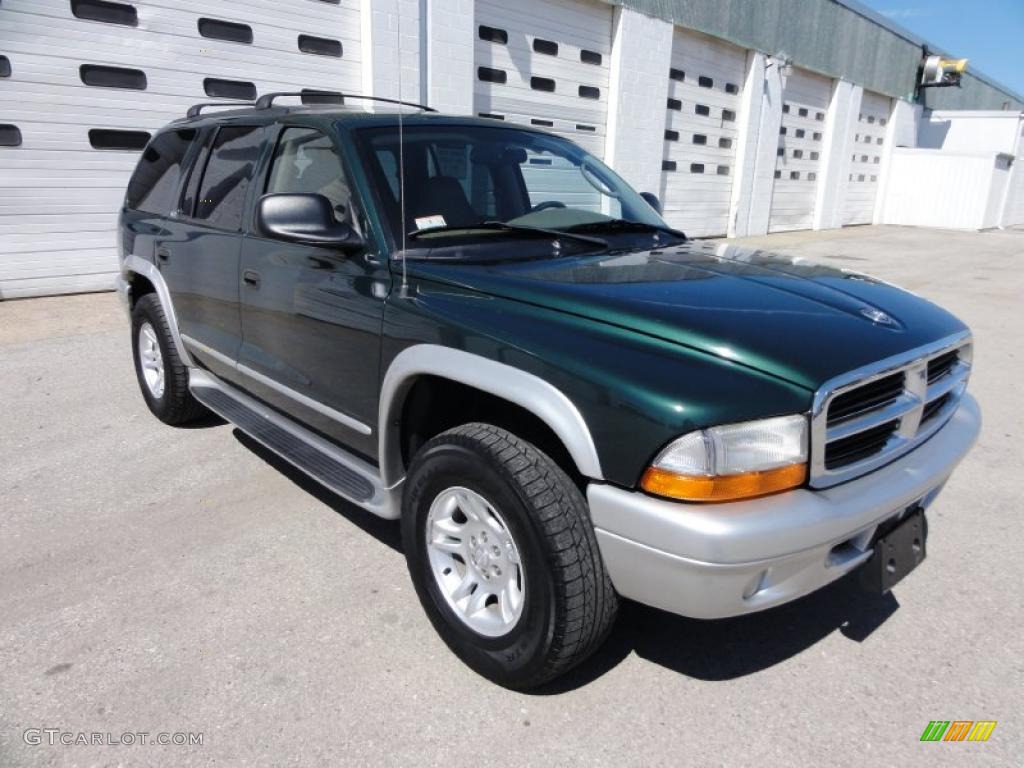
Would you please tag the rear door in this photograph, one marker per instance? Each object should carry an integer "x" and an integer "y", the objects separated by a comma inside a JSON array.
[
  {"x": 199, "y": 254},
  {"x": 311, "y": 316}
]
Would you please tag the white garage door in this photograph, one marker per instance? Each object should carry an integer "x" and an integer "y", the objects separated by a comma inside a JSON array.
[
  {"x": 545, "y": 64},
  {"x": 1013, "y": 211},
  {"x": 87, "y": 83},
  {"x": 805, "y": 102},
  {"x": 866, "y": 159},
  {"x": 705, "y": 83}
]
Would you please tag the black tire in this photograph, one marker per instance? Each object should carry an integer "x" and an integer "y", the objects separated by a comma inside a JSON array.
[
  {"x": 176, "y": 405},
  {"x": 569, "y": 603}
]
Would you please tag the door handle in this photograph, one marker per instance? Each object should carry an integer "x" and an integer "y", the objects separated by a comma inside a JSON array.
[
  {"x": 163, "y": 254},
  {"x": 251, "y": 277}
]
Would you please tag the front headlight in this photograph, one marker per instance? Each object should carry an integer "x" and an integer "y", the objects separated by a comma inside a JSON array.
[{"x": 734, "y": 461}]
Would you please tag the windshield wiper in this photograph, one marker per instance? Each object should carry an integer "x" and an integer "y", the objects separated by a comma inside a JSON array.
[
  {"x": 501, "y": 226},
  {"x": 624, "y": 225}
]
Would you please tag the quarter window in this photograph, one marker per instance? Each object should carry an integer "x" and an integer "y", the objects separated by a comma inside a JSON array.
[
  {"x": 156, "y": 177},
  {"x": 226, "y": 178}
]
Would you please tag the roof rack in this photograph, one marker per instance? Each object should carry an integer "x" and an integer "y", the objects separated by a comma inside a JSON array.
[
  {"x": 195, "y": 109},
  {"x": 266, "y": 101}
]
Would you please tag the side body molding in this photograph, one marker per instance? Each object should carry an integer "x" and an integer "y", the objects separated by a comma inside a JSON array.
[
  {"x": 517, "y": 386},
  {"x": 148, "y": 270}
]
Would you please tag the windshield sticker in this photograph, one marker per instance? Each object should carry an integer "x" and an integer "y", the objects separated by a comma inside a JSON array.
[{"x": 430, "y": 222}]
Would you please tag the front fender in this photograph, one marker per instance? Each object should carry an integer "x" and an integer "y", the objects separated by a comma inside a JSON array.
[{"x": 614, "y": 396}]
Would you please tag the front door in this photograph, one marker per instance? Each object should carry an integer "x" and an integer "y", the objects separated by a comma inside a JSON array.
[
  {"x": 311, "y": 316},
  {"x": 199, "y": 255}
]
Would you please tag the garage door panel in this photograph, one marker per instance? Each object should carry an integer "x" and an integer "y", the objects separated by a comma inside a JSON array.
[
  {"x": 704, "y": 92},
  {"x": 56, "y": 169},
  {"x": 800, "y": 149},
  {"x": 522, "y": 85},
  {"x": 866, "y": 148}
]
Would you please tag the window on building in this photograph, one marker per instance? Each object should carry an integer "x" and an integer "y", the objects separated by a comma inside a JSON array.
[
  {"x": 5, "y": 66},
  {"x": 106, "y": 11},
  {"x": 705, "y": 82},
  {"x": 10, "y": 135},
  {"x": 589, "y": 92},
  {"x": 489, "y": 75},
  {"x": 316, "y": 96},
  {"x": 702, "y": 109},
  {"x": 492, "y": 34},
  {"x": 111, "y": 138},
  {"x": 229, "y": 89},
  {"x": 112, "y": 77},
  {"x": 545, "y": 84},
  {"x": 668, "y": 165},
  {"x": 232, "y": 31},
  {"x": 320, "y": 46},
  {"x": 548, "y": 47},
  {"x": 696, "y": 167},
  {"x": 700, "y": 138},
  {"x": 671, "y": 135},
  {"x": 675, "y": 104},
  {"x": 724, "y": 143},
  {"x": 227, "y": 175},
  {"x": 590, "y": 57},
  {"x": 677, "y": 75}
]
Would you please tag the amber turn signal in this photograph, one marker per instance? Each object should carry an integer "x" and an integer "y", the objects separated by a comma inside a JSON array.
[{"x": 723, "y": 487}]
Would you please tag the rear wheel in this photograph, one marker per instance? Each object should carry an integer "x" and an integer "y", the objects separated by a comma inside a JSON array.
[
  {"x": 163, "y": 378},
  {"x": 503, "y": 556}
]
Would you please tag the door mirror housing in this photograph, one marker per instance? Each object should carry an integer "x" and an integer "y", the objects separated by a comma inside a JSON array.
[
  {"x": 304, "y": 218},
  {"x": 652, "y": 200}
]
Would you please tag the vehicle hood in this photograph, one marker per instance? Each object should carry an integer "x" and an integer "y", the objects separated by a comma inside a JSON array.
[{"x": 800, "y": 321}]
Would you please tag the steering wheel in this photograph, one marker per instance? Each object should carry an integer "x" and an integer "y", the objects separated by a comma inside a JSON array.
[{"x": 547, "y": 204}]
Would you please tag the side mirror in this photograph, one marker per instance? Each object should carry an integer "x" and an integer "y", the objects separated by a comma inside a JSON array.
[
  {"x": 304, "y": 218},
  {"x": 652, "y": 200}
]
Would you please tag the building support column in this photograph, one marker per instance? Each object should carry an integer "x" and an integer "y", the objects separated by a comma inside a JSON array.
[
  {"x": 391, "y": 33},
  {"x": 834, "y": 170},
  {"x": 760, "y": 115},
  {"x": 637, "y": 94},
  {"x": 450, "y": 34}
]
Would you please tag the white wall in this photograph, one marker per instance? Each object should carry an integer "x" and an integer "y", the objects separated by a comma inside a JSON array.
[
  {"x": 969, "y": 131},
  {"x": 935, "y": 188},
  {"x": 638, "y": 87}
]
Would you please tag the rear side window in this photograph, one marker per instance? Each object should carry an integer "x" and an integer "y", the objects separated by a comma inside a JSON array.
[
  {"x": 156, "y": 177},
  {"x": 226, "y": 179}
]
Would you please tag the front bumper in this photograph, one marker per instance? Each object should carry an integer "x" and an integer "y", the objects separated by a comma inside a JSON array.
[{"x": 709, "y": 561}]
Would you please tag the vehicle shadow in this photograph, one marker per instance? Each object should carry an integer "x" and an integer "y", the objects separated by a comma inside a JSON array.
[
  {"x": 385, "y": 531},
  {"x": 724, "y": 649}
]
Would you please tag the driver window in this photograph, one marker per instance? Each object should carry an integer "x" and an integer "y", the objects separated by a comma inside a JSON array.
[{"x": 305, "y": 162}]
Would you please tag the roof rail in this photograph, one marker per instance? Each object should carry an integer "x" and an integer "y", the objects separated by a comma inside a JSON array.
[
  {"x": 266, "y": 101},
  {"x": 195, "y": 109}
]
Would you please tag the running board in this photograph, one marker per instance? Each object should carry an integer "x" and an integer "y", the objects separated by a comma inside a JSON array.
[{"x": 346, "y": 475}]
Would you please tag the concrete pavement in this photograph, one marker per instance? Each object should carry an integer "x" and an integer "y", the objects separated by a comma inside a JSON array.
[{"x": 155, "y": 580}]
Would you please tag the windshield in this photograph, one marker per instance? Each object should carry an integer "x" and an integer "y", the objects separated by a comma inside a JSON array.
[{"x": 461, "y": 182}]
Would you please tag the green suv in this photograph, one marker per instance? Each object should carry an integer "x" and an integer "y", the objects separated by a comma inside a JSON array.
[{"x": 480, "y": 330}]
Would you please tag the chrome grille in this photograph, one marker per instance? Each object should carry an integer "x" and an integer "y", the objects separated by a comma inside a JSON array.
[{"x": 870, "y": 416}]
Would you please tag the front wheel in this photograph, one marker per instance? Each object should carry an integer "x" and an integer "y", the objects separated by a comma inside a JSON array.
[{"x": 503, "y": 556}]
